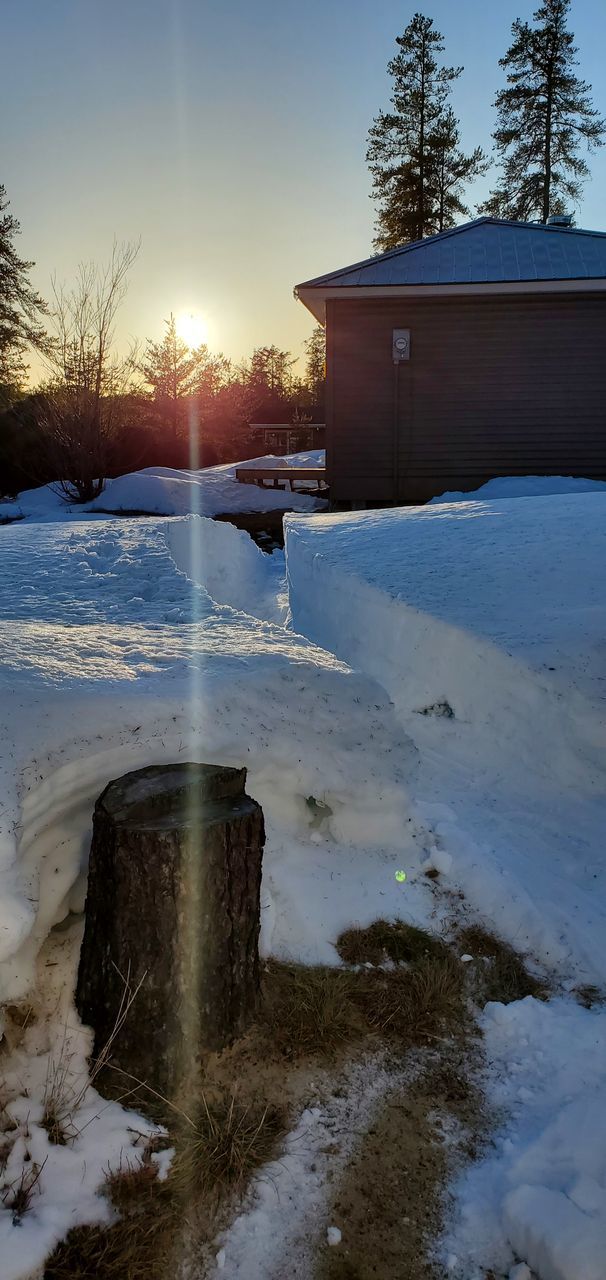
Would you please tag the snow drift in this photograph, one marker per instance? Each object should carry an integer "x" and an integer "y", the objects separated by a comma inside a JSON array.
[{"x": 169, "y": 491}]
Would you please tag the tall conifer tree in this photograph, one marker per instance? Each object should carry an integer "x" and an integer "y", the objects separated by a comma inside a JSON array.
[
  {"x": 545, "y": 116},
  {"x": 417, "y": 167},
  {"x": 21, "y": 308}
]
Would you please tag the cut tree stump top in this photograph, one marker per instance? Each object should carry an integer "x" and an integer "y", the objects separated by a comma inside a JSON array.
[{"x": 187, "y": 791}]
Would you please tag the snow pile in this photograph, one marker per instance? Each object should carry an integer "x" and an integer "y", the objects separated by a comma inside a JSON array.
[
  {"x": 540, "y": 1195},
  {"x": 523, "y": 487},
  {"x": 168, "y": 491},
  {"x": 485, "y": 623},
  {"x": 149, "y": 669},
  {"x": 525, "y": 578}
]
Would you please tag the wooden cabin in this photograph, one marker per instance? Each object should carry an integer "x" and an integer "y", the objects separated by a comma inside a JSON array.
[{"x": 475, "y": 353}]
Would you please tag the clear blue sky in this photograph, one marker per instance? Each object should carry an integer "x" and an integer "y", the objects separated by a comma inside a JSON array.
[{"x": 229, "y": 136}]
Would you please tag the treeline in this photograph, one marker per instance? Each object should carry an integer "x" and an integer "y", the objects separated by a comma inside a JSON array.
[
  {"x": 100, "y": 412},
  {"x": 180, "y": 408},
  {"x": 545, "y": 122}
]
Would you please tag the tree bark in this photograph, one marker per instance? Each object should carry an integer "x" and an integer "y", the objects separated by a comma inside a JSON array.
[{"x": 172, "y": 913}]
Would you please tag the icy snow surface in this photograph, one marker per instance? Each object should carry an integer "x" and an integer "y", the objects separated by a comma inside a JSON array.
[{"x": 211, "y": 491}]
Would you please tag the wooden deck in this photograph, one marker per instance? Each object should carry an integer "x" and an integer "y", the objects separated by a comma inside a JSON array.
[{"x": 311, "y": 478}]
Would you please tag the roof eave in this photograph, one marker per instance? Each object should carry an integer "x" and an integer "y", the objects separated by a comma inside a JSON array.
[{"x": 315, "y": 297}]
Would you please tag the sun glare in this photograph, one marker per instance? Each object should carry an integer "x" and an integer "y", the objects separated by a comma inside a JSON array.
[{"x": 192, "y": 328}]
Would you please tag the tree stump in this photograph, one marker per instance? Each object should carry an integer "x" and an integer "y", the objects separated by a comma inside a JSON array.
[{"x": 172, "y": 913}]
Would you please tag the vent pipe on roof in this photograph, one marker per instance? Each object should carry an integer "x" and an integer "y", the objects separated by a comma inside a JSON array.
[{"x": 560, "y": 220}]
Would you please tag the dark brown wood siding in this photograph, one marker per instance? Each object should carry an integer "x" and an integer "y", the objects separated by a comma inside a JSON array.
[{"x": 494, "y": 386}]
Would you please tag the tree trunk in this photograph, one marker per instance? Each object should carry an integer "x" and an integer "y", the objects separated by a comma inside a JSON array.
[
  {"x": 547, "y": 143},
  {"x": 172, "y": 913}
]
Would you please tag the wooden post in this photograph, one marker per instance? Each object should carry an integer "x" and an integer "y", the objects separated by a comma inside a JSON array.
[{"x": 172, "y": 912}]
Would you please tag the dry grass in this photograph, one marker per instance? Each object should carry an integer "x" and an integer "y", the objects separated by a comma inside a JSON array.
[
  {"x": 502, "y": 975},
  {"x": 313, "y": 1010},
  {"x": 417, "y": 1004},
  {"x": 18, "y": 1196},
  {"x": 140, "y": 1246},
  {"x": 310, "y": 1009},
  {"x": 306, "y": 1012},
  {"x": 387, "y": 940},
  {"x": 231, "y": 1139},
  {"x": 589, "y": 995},
  {"x": 214, "y": 1156}
]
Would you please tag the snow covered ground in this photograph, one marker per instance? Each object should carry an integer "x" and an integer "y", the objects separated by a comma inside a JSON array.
[
  {"x": 540, "y": 1195},
  {"x": 165, "y": 491},
  {"x": 131, "y": 642},
  {"x": 485, "y": 621},
  {"x": 112, "y": 658},
  {"x": 523, "y": 487}
]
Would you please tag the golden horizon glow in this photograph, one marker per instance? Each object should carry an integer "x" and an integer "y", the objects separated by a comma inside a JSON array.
[{"x": 192, "y": 328}]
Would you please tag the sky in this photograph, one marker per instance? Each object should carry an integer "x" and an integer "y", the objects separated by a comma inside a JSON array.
[{"x": 230, "y": 138}]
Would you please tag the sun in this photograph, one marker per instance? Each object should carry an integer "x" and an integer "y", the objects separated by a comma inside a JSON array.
[{"x": 192, "y": 328}]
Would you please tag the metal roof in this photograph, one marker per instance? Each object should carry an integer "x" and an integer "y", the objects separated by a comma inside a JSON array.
[{"x": 485, "y": 251}]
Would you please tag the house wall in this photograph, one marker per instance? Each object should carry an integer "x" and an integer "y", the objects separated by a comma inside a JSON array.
[{"x": 494, "y": 386}]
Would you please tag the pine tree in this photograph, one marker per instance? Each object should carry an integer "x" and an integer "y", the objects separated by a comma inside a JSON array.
[
  {"x": 544, "y": 117},
  {"x": 418, "y": 170},
  {"x": 451, "y": 169},
  {"x": 174, "y": 372},
  {"x": 270, "y": 372},
  {"x": 21, "y": 308},
  {"x": 315, "y": 364}
]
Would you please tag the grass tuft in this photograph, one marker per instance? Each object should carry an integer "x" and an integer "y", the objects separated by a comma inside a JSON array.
[
  {"x": 18, "y": 1196},
  {"x": 588, "y": 995},
  {"x": 386, "y": 940},
  {"x": 414, "y": 1004},
  {"x": 214, "y": 1156},
  {"x": 310, "y": 1009},
  {"x": 318, "y": 1010},
  {"x": 504, "y": 977},
  {"x": 230, "y": 1140}
]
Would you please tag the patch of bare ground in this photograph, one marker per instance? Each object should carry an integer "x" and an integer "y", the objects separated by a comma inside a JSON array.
[
  {"x": 391, "y": 1202},
  {"x": 409, "y": 1003}
]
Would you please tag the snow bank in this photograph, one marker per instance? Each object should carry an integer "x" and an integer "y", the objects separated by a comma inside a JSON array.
[
  {"x": 231, "y": 567},
  {"x": 526, "y": 578},
  {"x": 168, "y": 491},
  {"x": 485, "y": 623},
  {"x": 540, "y": 1196},
  {"x": 112, "y": 659},
  {"x": 523, "y": 487}
]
